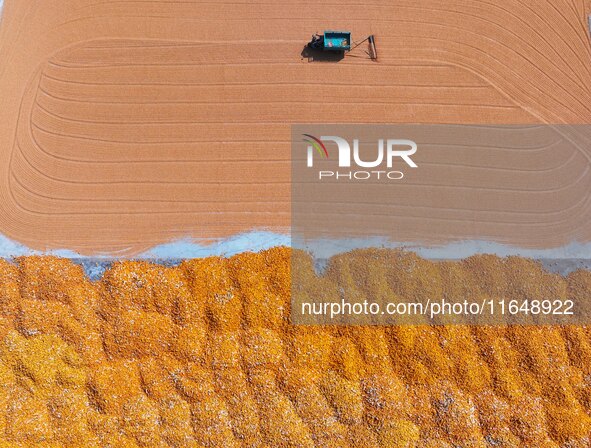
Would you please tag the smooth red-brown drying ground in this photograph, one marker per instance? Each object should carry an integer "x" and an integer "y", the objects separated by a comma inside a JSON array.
[{"x": 128, "y": 123}]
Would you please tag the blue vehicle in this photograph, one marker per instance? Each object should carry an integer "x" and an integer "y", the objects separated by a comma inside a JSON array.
[
  {"x": 339, "y": 42},
  {"x": 331, "y": 41}
]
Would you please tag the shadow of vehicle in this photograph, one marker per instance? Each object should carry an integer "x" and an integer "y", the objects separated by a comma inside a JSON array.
[{"x": 319, "y": 55}]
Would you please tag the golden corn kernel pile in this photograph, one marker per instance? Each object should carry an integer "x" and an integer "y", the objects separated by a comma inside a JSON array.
[{"x": 203, "y": 355}]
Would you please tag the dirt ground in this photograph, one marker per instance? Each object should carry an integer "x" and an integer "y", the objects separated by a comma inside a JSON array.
[{"x": 129, "y": 123}]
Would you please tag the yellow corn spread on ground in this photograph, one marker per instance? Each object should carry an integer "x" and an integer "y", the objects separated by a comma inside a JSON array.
[{"x": 203, "y": 355}]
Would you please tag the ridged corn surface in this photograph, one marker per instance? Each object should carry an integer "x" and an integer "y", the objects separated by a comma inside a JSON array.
[{"x": 204, "y": 355}]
